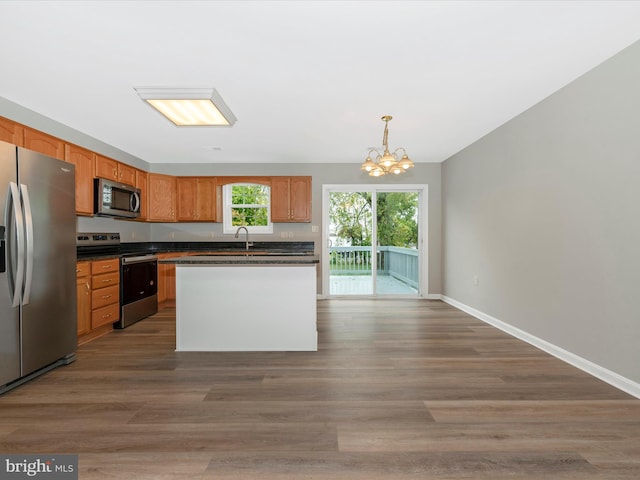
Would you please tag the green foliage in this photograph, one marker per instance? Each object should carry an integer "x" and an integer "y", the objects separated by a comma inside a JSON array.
[
  {"x": 253, "y": 194},
  {"x": 397, "y": 218},
  {"x": 350, "y": 212},
  {"x": 250, "y": 205},
  {"x": 255, "y": 217}
]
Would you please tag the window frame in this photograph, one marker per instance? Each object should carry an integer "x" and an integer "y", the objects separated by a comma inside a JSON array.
[{"x": 227, "y": 206}]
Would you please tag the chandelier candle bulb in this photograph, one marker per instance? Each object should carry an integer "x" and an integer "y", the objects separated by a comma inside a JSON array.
[{"x": 387, "y": 162}]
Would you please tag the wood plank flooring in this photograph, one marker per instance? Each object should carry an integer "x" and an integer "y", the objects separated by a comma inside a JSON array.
[{"x": 399, "y": 389}]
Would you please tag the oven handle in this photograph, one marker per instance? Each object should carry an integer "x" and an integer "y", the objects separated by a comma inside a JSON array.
[{"x": 141, "y": 259}]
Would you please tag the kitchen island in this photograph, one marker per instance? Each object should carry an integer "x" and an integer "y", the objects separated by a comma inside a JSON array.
[{"x": 246, "y": 302}]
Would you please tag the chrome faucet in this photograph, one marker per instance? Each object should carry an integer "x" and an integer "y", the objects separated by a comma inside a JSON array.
[{"x": 247, "y": 242}]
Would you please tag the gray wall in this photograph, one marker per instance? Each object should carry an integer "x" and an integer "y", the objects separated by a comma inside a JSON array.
[
  {"x": 37, "y": 121},
  {"x": 545, "y": 211}
]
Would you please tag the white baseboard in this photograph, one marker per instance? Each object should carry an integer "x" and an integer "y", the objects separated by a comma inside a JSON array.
[{"x": 612, "y": 378}]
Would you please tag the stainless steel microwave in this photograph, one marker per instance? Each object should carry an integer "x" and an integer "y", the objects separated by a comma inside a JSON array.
[{"x": 113, "y": 199}]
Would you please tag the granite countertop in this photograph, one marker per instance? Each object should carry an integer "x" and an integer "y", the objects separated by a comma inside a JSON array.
[
  {"x": 247, "y": 259},
  {"x": 222, "y": 248}
]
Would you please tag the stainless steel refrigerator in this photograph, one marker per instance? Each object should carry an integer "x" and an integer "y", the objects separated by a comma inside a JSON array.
[{"x": 37, "y": 265}]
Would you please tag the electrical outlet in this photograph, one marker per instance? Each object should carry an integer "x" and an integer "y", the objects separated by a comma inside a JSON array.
[
  {"x": 283, "y": 235},
  {"x": 476, "y": 280},
  {"x": 290, "y": 234},
  {"x": 315, "y": 228}
]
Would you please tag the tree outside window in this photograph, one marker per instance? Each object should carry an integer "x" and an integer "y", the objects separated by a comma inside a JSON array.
[
  {"x": 247, "y": 205},
  {"x": 350, "y": 216}
]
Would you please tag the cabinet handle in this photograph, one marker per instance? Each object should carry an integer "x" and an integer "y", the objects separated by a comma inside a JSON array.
[
  {"x": 106, "y": 316},
  {"x": 106, "y": 296},
  {"x": 108, "y": 280},
  {"x": 87, "y": 286},
  {"x": 106, "y": 266}
]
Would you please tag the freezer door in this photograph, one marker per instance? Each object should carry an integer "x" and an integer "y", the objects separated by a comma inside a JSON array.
[
  {"x": 9, "y": 315},
  {"x": 48, "y": 320}
]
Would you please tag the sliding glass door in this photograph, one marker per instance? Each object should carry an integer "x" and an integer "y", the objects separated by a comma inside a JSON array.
[{"x": 372, "y": 239}]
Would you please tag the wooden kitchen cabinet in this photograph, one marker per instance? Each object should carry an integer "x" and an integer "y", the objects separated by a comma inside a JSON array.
[
  {"x": 162, "y": 198},
  {"x": 83, "y": 160},
  {"x": 105, "y": 293},
  {"x": 83, "y": 290},
  {"x": 167, "y": 278},
  {"x": 290, "y": 199},
  {"x": 162, "y": 278},
  {"x": 106, "y": 168},
  {"x": 98, "y": 289},
  {"x": 187, "y": 198},
  {"x": 11, "y": 132},
  {"x": 196, "y": 199},
  {"x": 126, "y": 174},
  {"x": 43, "y": 143},
  {"x": 142, "y": 182},
  {"x": 114, "y": 170}
]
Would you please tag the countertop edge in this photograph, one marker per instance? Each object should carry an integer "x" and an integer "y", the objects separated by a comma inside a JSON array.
[{"x": 242, "y": 260}]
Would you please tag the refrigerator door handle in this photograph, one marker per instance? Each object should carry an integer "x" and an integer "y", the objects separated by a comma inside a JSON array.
[
  {"x": 15, "y": 283},
  {"x": 28, "y": 223}
]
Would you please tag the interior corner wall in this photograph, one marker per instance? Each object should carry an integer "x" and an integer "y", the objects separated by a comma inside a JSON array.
[{"x": 541, "y": 219}]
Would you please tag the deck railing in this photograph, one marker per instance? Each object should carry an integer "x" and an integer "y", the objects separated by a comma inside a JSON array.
[{"x": 399, "y": 262}]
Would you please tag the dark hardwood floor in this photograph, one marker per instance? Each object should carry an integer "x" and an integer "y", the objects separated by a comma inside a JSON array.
[{"x": 399, "y": 389}]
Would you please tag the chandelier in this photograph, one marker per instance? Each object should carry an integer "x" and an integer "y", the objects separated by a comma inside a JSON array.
[{"x": 387, "y": 162}]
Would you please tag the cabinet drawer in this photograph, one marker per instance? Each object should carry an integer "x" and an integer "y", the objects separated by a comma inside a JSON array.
[
  {"x": 106, "y": 280},
  {"x": 105, "y": 315},
  {"x": 105, "y": 296},
  {"x": 83, "y": 269},
  {"x": 105, "y": 266}
]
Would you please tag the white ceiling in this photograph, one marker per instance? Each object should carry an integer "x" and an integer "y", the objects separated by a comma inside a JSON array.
[{"x": 308, "y": 81}]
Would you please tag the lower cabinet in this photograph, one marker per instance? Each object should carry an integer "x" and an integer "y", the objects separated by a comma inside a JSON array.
[
  {"x": 167, "y": 279},
  {"x": 83, "y": 288},
  {"x": 98, "y": 285}
]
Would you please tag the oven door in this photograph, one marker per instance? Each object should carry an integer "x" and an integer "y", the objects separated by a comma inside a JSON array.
[{"x": 138, "y": 278}]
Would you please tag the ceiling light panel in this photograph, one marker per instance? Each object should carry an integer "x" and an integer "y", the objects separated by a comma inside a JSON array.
[{"x": 189, "y": 106}]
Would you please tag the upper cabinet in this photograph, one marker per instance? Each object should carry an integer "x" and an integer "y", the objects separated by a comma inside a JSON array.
[
  {"x": 197, "y": 199},
  {"x": 162, "y": 198},
  {"x": 106, "y": 168},
  {"x": 43, "y": 143},
  {"x": 83, "y": 160},
  {"x": 142, "y": 182},
  {"x": 126, "y": 174},
  {"x": 11, "y": 132},
  {"x": 114, "y": 170},
  {"x": 290, "y": 199}
]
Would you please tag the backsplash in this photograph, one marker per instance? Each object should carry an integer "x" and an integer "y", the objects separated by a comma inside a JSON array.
[{"x": 133, "y": 231}]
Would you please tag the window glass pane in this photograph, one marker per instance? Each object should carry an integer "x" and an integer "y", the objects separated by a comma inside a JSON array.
[
  {"x": 250, "y": 195},
  {"x": 247, "y": 205},
  {"x": 257, "y": 217}
]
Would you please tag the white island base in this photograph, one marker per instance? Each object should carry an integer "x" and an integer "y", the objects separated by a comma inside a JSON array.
[{"x": 223, "y": 308}]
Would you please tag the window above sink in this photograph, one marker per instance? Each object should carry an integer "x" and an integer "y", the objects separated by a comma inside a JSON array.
[{"x": 247, "y": 205}]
